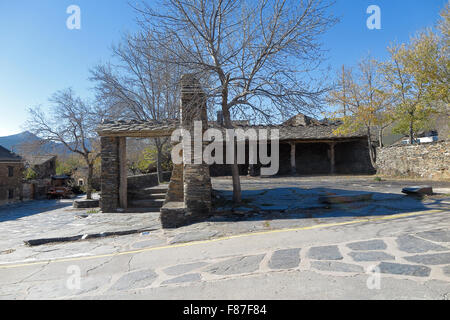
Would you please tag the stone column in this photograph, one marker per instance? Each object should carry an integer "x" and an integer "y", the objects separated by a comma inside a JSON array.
[
  {"x": 196, "y": 178},
  {"x": 110, "y": 180},
  {"x": 293, "y": 159}
]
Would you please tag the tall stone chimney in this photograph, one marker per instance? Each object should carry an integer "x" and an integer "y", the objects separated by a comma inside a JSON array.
[{"x": 220, "y": 118}]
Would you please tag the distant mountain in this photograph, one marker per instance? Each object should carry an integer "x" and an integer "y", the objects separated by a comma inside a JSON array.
[
  {"x": 13, "y": 142},
  {"x": 28, "y": 143}
]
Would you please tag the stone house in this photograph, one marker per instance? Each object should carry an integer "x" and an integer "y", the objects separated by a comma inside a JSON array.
[
  {"x": 43, "y": 166},
  {"x": 80, "y": 177},
  {"x": 11, "y": 175}
]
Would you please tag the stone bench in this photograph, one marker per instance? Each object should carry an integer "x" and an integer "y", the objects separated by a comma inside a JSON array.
[{"x": 86, "y": 204}]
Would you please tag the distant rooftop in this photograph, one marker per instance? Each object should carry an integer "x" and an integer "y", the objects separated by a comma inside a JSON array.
[
  {"x": 39, "y": 160},
  {"x": 8, "y": 156}
]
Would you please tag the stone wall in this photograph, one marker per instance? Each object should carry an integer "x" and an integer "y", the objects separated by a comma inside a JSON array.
[
  {"x": 36, "y": 189},
  {"x": 144, "y": 181},
  {"x": 427, "y": 161},
  {"x": 11, "y": 187}
]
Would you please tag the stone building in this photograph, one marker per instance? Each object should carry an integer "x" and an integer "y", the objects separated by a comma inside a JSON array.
[
  {"x": 43, "y": 166},
  {"x": 310, "y": 147},
  {"x": 11, "y": 175},
  {"x": 80, "y": 177}
]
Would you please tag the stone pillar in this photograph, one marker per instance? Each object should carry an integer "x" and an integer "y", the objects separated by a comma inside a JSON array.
[
  {"x": 123, "y": 183},
  {"x": 188, "y": 199},
  {"x": 332, "y": 158},
  {"x": 293, "y": 159},
  {"x": 196, "y": 178},
  {"x": 110, "y": 180},
  {"x": 175, "y": 190}
]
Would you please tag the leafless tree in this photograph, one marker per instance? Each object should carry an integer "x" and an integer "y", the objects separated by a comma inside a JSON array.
[
  {"x": 135, "y": 87},
  {"x": 71, "y": 122},
  {"x": 254, "y": 57}
]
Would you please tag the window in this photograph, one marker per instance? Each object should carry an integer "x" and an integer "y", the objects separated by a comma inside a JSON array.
[
  {"x": 80, "y": 183},
  {"x": 10, "y": 171},
  {"x": 11, "y": 194}
]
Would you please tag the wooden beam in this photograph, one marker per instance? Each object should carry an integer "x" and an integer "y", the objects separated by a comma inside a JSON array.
[
  {"x": 123, "y": 182},
  {"x": 332, "y": 158},
  {"x": 293, "y": 159},
  {"x": 137, "y": 134},
  {"x": 323, "y": 140}
]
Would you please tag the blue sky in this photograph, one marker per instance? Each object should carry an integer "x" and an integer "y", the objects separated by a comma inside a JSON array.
[{"x": 39, "y": 55}]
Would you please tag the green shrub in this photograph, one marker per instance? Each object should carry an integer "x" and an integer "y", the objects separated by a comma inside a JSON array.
[{"x": 30, "y": 174}]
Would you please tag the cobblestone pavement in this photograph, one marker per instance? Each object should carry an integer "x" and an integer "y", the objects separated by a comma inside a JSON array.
[
  {"x": 425, "y": 263},
  {"x": 316, "y": 256}
]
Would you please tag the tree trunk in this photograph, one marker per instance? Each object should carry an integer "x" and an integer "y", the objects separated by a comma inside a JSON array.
[
  {"x": 371, "y": 152},
  {"x": 237, "y": 194},
  {"x": 380, "y": 137},
  {"x": 89, "y": 179},
  {"x": 411, "y": 133}
]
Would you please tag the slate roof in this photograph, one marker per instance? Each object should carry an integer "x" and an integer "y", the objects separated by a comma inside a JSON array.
[
  {"x": 137, "y": 128},
  {"x": 311, "y": 132},
  {"x": 317, "y": 130},
  {"x": 8, "y": 156},
  {"x": 39, "y": 160}
]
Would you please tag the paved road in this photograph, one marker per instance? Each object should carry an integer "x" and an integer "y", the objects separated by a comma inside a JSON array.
[{"x": 325, "y": 260}]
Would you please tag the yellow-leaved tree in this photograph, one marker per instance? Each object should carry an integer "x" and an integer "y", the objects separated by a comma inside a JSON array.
[
  {"x": 419, "y": 77},
  {"x": 362, "y": 103}
]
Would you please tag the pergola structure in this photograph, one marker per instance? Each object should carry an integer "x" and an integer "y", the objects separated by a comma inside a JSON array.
[{"x": 307, "y": 146}]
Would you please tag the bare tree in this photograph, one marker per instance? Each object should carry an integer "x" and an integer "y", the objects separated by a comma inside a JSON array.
[
  {"x": 135, "y": 87},
  {"x": 253, "y": 56},
  {"x": 71, "y": 122}
]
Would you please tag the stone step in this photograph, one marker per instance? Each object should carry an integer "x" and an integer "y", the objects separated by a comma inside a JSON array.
[
  {"x": 157, "y": 190},
  {"x": 146, "y": 196},
  {"x": 146, "y": 203},
  {"x": 346, "y": 198},
  {"x": 142, "y": 210},
  {"x": 152, "y": 190}
]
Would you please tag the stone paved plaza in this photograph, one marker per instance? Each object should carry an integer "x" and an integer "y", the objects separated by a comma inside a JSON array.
[{"x": 313, "y": 252}]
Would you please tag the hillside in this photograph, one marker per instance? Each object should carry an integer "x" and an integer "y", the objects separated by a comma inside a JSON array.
[{"x": 28, "y": 143}]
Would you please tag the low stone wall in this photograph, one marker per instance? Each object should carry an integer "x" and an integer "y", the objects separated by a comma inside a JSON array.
[
  {"x": 427, "y": 161},
  {"x": 36, "y": 189},
  {"x": 146, "y": 180}
]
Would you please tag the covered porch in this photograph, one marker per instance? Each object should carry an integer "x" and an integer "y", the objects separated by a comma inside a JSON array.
[{"x": 325, "y": 156}]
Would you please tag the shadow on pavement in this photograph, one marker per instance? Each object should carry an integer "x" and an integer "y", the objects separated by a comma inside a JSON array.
[
  {"x": 298, "y": 203},
  {"x": 29, "y": 208}
]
